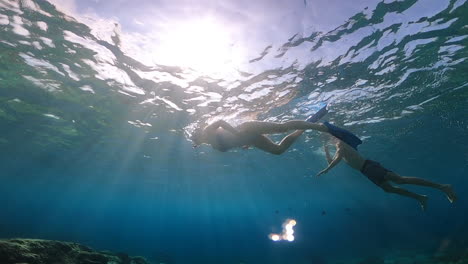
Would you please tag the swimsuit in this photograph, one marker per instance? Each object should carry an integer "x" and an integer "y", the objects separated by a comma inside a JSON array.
[{"x": 375, "y": 172}]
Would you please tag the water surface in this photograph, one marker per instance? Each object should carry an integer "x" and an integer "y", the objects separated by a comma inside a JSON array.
[{"x": 94, "y": 145}]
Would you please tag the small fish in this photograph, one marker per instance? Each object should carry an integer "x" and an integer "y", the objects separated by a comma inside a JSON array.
[{"x": 324, "y": 213}]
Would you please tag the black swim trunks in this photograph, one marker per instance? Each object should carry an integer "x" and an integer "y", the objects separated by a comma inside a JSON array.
[{"x": 375, "y": 172}]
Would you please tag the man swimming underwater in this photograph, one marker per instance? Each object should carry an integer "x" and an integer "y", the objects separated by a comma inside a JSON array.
[{"x": 346, "y": 149}]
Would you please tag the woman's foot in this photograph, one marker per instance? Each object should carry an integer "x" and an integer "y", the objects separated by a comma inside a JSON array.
[{"x": 448, "y": 190}]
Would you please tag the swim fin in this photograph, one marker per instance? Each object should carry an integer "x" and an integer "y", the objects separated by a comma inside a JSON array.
[
  {"x": 319, "y": 114},
  {"x": 344, "y": 135}
]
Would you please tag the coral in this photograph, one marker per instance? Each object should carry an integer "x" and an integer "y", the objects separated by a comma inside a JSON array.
[{"x": 37, "y": 251}]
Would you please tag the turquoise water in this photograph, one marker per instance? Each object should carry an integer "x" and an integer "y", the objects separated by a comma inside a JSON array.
[{"x": 94, "y": 148}]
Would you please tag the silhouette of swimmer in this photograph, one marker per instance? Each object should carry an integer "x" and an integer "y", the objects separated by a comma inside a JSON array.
[{"x": 375, "y": 172}]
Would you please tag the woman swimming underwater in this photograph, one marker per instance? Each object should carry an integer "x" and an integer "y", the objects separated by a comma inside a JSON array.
[{"x": 222, "y": 136}]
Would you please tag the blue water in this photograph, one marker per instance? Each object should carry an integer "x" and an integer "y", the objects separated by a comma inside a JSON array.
[{"x": 108, "y": 170}]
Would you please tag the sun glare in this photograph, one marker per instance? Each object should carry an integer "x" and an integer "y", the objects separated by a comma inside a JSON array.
[
  {"x": 288, "y": 231},
  {"x": 203, "y": 45}
]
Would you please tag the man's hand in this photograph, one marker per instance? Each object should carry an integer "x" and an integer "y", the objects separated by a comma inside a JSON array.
[
  {"x": 332, "y": 162},
  {"x": 322, "y": 172},
  {"x": 327, "y": 153}
]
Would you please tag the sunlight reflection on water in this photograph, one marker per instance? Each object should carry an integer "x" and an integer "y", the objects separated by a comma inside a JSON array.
[{"x": 366, "y": 70}]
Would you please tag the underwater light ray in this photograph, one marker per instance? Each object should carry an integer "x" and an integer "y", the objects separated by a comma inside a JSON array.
[{"x": 369, "y": 81}]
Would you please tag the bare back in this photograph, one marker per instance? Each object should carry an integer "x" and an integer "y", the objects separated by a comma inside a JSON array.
[{"x": 350, "y": 155}]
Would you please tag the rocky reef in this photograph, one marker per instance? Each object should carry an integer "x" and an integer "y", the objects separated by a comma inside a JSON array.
[{"x": 38, "y": 251}]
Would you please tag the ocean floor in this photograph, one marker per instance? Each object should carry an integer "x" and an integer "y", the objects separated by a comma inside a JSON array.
[
  {"x": 38, "y": 251},
  {"x": 455, "y": 254},
  {"x": 412, "y": 258}
]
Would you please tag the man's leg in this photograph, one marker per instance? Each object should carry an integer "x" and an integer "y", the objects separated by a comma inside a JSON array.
[
  {"x": 446, "y": 188},
  {"x": 265, "y": 144},
  {"x": 422, "y": 199},
  {"x": 262, "y": 128}
]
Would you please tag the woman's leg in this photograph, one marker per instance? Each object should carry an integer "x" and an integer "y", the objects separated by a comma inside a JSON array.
[
  {"x": 261, "y": 128},
  {"x": 446, "y": 188},
  {"x": 265, "y": 144}
]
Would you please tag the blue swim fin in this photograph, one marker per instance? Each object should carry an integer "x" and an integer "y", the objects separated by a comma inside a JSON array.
[
  {"x": 319, "y": 114},
  {"x": 344, "y": 135}
]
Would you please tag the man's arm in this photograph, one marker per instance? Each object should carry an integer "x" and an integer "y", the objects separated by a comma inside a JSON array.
[
  {"x": 327, "y": 153},
  {"x": 336, "y": 159},
  {"x": 223, "y": 124}
]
